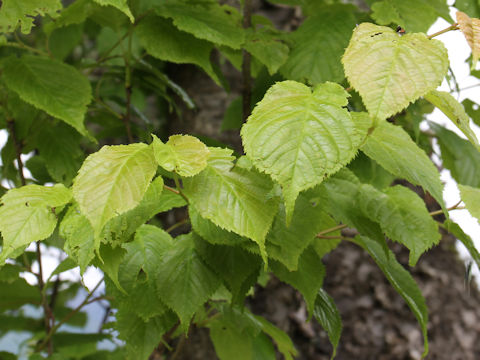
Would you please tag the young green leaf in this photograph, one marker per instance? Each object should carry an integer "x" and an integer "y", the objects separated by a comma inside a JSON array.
[
  {"x": 401, "y": 280},
  {"x": 235, "y": 199},
  {"x": 184, "y": 282},
  {"x": 184, "y": 154},
  {"x": 28, "y": 214},
  {"x": 163, "y": 40},
  {"x": 390, "y": 71},
  {"x": 112, "y": 181},
  {"x": 218, "y": 24},
  {"x": 470, "y": 27},
  {"x": 326, "y": 313},
  {"x": 454, "y": 111},
  {"x": 268, "y": 48},
  {"x": 121, "y": 5},
  {"x": 79, "y": 237},
  {"x": 23, "y": 13},
  {"x": 394, "y": 150},
  {"x": 283, "y": 341},
  {"x": 50, "y": 85},
  {"x": 300, "y": 137},
  {"x": 318, "y": 45}
]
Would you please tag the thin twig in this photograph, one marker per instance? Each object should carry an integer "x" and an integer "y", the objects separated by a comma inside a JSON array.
[
  {"x": 179, "y": 187},
  {"x": 67, "y": 317},
  {"x": 175, "y": 191},
  {"x": 18, "y": 149},
  {"x": 327, "y": 231},
  {"x": 49, "y": 318},
  {"x": 450, "y": 28},
  {"x": 177, "y": 225},
  {"x": 454, "y": 207},
  {"x": 128, "y": 89}
]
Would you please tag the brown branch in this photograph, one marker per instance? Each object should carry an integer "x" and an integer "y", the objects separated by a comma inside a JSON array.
[
  {"x": 18, "y": 149},
  {"x": 128, "y": 90},
  {"x": 451, "y": 27}
]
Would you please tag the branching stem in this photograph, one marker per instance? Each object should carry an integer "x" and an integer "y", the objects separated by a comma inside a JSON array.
[{"x": 450, "y": 28}]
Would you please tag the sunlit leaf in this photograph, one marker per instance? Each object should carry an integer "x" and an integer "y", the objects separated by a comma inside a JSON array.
[{"x": 470, "y": 28}]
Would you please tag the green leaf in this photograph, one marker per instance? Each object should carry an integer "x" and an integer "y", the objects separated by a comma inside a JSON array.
[
  {"x": 184, "y": 282},
  {"x": 300, "y": 137},
  {"x": 390, "y": 71},
  {"x": 50, "y": 85},
  {"x": 112, "y": 181},
  {"x": 9, "y": 273},
  {"x": 470, "y": 7},
  {"x": 413, "y": 15},
  {"x": 318, "y": 45},
  {"x": 163, "y": 40},
  {"x": 28, "y": 214},
  {"x": 75, "y": 345},
  {"x": 237, "y": 267},
  {"x": 459, "y": 156},
  {"x": 308, "y": 278},
  {"x": 218, "y": 24},
  {"x": 234, "y": 199},
  {"x": 267, "y": 47},
  {"x": 369, "y": 171},
  {"x": 59, "y": 146},
  {"x": 472, "y": 109},
  {"x": 121, "y": 5},
  {"x": 401, "y": 280},
  {"x": 23, "y": 13},
  {"x": 212, "y": 233},
  {"x": 76, "y": 13},
  {"x": 454, "y": 111},
  {"x": 471, "y": 197},
  {"x": 109, "y": 262},
  {"x": 79, "y": 237},
  {"x": 283, "y": 341},
  {"x": 184, "y": 154},
  {"x": 394, "y": 150},
  {"x": 287, "y": 243},
  {"x": 326, "y": 313},
  {"x": 403, "y": 217},
  {"x": 466, "y": 240},
  {"x": 141, "y": 336},
  {"x": 18, "y": 293}
]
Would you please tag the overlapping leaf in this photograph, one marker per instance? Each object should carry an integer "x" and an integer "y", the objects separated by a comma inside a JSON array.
[
  {"x": 112, "y": 181},
  {"x": 121, "y": 5},
  {"x": 235, "y": 199},
  {"x": 318, "y": 45},
  {"x": 471, "y": 197},
  {"x": 470, "y": 28},
  {"x": 390, "y": 71},
  {"x": 326, "y": 313},
  {"x": 163, "y": 40},
  {"x": 184, "y": 282},
  {"x": 218, "y": 24},
  {"x": 454, "y": 111},
  {"x": 184, "y": 154},
  {"x": 28, "y": 214},
  {"x": 403, "y": 217},
  {"x": 401, "y": 280},
  {"x": 268, "y": 48},
  {"x": 300, "y": 137},
  {"x": 394, "y": 150},
  {"x": 50, "y": 85},
  {"x": 23, "y": 13},
  {"x": 413, "y": 15}
]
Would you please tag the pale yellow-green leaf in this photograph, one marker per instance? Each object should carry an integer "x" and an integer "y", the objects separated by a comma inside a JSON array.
[
  {"x": 23, "y": 12},
  {"x": 470, "y": 27},
  {"x": 112, "y": 181},
  {"x": 28, "y": 215},
  {"x": 389, "y": 70},
  {"x": 300, "y": 136},
  {"x": 471, "y": 198},
  {"x": 184, "y": 154},
  {"x": 454, "y": 111}
]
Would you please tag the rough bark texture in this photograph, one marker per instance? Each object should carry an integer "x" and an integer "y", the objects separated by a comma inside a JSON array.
[{"x": 377, "y": 322}]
